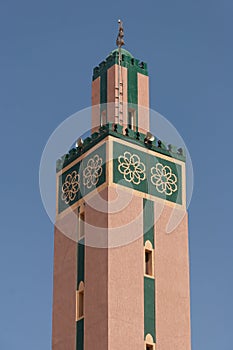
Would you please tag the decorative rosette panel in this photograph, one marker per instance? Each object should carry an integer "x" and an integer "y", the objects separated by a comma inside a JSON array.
[
  {"x": 148, "y": 173},
  {"x": 81, "y": 178}
]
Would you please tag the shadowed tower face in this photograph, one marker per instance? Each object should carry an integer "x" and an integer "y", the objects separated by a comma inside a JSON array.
[{"x": 121, "y": 282}]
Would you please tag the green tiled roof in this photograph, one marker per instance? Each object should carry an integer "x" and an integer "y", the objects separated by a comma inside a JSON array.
[{"x": 123, "y": 51}]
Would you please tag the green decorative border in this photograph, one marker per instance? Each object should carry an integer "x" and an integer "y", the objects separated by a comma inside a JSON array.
[
  {"x": 79, "y": 168},
  {"x": 145, "y": 184}
]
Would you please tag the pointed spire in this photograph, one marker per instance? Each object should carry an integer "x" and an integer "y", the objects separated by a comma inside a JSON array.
[{"x": 120, "y": 38}]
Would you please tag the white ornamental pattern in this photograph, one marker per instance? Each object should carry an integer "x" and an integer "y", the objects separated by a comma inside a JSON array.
[
  {"x": 93, "y": 171},
  {"x": 70, "y": 187},
  {"x": 163, "y": 179},
  {"x": 132, "y": 168}
]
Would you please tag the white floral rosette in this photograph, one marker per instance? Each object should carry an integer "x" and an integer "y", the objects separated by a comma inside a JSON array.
[
  {"x": 92, "y": 171},
  {"x": 70, "y": 187},
  {"x": 163, "y": 179},
  {"x": 131, "y": 167}
]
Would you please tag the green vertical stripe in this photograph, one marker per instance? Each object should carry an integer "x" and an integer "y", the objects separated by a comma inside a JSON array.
[
  {"x": 133, "y": 90},
  {"x": 103, "y": 91},
  {"x": 149, "y": 283},
  {"x": 80, "y": 335},
  {"x": 148, "y": 221},
  {"x": 103, "y": 86},
  {"x": 149, "y": 306},
  {"x": 80, "y": 277},
  {"x": 81, "y": 257}
]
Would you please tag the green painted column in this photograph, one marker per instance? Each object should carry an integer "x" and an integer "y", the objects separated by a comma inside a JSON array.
[
  {"x": 80, "y": 277},
  {"x": 149, "y": 307},
  {"x": 149, "y": 282},
  {"x": 103, "y": 92},
  {"x": 80, "y": 258},
  {"x": 80, "y": 335},
  {"x": 133, "y": 90},
  {"x": 148, "y": 221}
]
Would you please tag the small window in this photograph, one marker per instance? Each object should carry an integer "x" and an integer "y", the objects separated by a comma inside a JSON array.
[
  {"x": 81, "y": 225},
  {"x": 103, "y": 118},
  {"x": 148, "y": 262},
  {"x": 81, "y": 304},
  {"x": 80, "y": 301},
  {"x": 132, "y": 119},
  {"x": 149, "y": 342},
  {"x": 149, "y": 347}
]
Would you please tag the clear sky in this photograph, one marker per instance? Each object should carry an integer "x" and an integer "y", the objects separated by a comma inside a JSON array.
[{"x": 48, "y": 51}]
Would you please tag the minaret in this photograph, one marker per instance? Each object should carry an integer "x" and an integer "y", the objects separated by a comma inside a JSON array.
[{"x": 121, "y": 282}]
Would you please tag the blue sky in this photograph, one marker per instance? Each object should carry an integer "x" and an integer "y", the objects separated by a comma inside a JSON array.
[{"x": 48, "y": 51}]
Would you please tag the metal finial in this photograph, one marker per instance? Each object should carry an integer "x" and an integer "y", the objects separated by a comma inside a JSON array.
[{"x": 120, "y": 38}]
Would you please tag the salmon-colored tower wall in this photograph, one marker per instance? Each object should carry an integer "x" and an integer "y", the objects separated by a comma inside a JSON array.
[
  {"x": 64, "y": 292},
  {"x": 96, "y": 279},
  {"x": 95, "y": 101},
  {"x": 143, "y": 103},
  {"x": 114, "y": 281},
  {"x": 126, "y": 287},
  {"x": 172, "y": 293}
]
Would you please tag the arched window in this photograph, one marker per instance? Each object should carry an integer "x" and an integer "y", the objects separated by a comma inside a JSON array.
[
  {"x": 148, "y": 259},
  {"x": 149, "y": 342},
  {"x": 80, "y": 301}
]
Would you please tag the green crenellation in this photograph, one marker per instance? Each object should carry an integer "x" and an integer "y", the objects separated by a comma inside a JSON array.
[
  {"x": 118, "y": 131},
  {"x": 127, "y": 61}
]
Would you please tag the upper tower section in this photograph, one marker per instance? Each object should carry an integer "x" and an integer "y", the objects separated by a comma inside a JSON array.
[{"x": 120, "y": 88}]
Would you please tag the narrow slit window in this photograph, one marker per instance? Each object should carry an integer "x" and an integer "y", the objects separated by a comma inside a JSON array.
[
  {"x": 132, "y": 119},
  {"x": 81, "y": 224},
  {"x": 148, "y": 262},
  {"x": 80, "y": 304},
  {"x": 80, "y": 301}
]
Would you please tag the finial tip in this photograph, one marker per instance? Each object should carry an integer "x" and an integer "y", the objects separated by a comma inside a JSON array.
[{"x": 120, "y": 38}]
